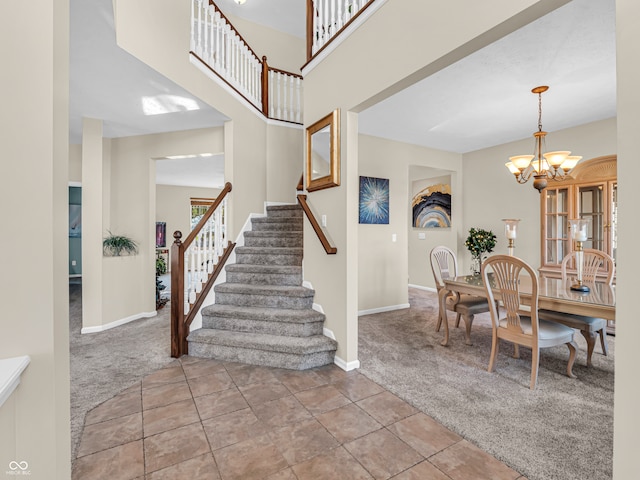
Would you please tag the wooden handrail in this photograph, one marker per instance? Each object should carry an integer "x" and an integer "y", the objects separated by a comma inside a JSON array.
[
  {"x": 331, "y": 250},
  {"x": 180, "y": 322}
]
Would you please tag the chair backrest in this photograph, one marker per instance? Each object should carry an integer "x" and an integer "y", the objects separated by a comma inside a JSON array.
[
  {"x": 443, "y": 264},
  {"x": 503, "y": 274},
  {"x": 594, "y": 261}
]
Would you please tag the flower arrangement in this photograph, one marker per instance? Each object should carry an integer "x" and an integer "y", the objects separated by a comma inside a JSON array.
[{"x": 479, "y": 242}]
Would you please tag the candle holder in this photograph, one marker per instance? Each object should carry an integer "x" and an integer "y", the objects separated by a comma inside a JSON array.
[
  {"x": 510, "y": 230},
  {"x": 579, "y": 234}
]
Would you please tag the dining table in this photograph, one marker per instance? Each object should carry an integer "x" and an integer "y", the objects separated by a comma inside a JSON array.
[{"x": 553, "y": 294}]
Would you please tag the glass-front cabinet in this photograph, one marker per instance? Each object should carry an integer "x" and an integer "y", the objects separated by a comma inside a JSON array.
[{"x": 592, "y": 194}]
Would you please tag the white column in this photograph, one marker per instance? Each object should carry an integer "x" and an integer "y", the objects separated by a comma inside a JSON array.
[{"x": 92, "y": 222}]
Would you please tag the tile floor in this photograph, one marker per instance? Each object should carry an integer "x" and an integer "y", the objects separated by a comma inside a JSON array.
[{"x": 205, "y": 419}]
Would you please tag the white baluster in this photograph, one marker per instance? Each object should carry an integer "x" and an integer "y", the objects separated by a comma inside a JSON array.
[
  {"x": 186, "y": 283},
  {"x": 299, "y": 100},
  {"x": 278, "y": 90},
  {"x": 340, "y": 17},
  {"x": 211, "y": 252},
  {"x": 332, "y": 8},
  {"x": 271, "y": 99},
  {"x": 192, "y": 276},
  {"x": 199, "y": 44},
  {"x": 192, "y": 44}
]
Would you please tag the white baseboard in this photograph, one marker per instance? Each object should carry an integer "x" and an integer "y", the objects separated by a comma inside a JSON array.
[
  {"x": 389, "y": 308},
  {"x": 347, "y": 367},
  {"x": 327, "y": 332},
  {"x": 117, "y": 323},
  {"x": 420, "y": 287}
]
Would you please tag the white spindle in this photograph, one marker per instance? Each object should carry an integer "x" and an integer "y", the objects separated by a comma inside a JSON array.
[
  {"x": 278, "y": 89},
  {"x": 199, "y": 44},
  {"x": 271, "y": 97},
  {"x": 332, "y": 7},
  {"x": 192, "y": 43},
  {"x": 299, "y": 102}
]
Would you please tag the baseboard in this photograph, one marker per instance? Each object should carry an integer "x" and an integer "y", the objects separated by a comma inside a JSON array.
[
  {"x": 117, "y": 323},
  {"x": 347, "y": 367},
  {"x": 327, "y": 332},
  {"x": 389, "y": 308},
  {"x": 420, "y": 287}
]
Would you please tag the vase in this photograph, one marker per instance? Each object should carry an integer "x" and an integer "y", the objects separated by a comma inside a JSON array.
[{"x": 476, "y": 263}]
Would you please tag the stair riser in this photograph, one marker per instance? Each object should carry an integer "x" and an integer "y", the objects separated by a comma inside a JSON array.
[
  {"x": 296, "y": 242},
  {"x": 266, "y": 327},
  {"x": 268, "y": 259},
  {"x": 291, "y": 280},
  {"x": 267, "y": 301},
  {"x": 258, "y": 357},
  {"x": 288, "y": 213},
  {"x": 282, "y": 226}
]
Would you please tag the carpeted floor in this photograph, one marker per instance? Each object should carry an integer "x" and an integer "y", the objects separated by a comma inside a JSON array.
[
  {"x": 105, "y": 363},
  {"x": 562, "y": 430}
]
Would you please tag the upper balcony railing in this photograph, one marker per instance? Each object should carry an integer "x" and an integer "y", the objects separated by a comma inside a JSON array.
[
  {"x": 327, "y": 18},
  {"x": 217, "y": 44}
]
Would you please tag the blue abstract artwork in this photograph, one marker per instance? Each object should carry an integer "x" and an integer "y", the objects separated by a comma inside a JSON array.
[
  {"x": 432, "y": 207},
  {"x": 374, "y": 200}
]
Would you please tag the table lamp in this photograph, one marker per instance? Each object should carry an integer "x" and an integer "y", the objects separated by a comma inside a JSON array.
[
  {"x": 510, "y": 228},
  {"x": 578, "y": 230}
]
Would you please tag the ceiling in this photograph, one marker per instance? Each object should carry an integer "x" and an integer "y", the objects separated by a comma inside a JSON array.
[{"x": 481, "y": 101}]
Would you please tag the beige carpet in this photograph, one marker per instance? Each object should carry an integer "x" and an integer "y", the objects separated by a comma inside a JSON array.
[{"x": 562, "y": 430}]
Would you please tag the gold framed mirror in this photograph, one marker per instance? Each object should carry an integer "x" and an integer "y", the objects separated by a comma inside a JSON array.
[{"x": 323, "y": 153}]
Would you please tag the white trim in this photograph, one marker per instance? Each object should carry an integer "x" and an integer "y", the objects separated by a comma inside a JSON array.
[
  {"x": 328, "y": 333},
  {"x": 420, "y": 287},
  {"x": 353, "y": 26},
  {"x": 347, "y": 367},
  {"x": 282, "y": 123},
  {"x": 75, "y": 184},
  {"x": 117, "y": 323},
  {"x": 389, "y": 308},
  {"x": 318, "y": 308},
  {"x": 10, "y": 371}
]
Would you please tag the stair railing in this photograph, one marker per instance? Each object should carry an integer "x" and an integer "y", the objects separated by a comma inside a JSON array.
[
  {"x": 218, "y": 45},
  {"x": 327, "y": 18},
  {"x": 330, "y": 249},
  {"x": 195, "y": 264}
]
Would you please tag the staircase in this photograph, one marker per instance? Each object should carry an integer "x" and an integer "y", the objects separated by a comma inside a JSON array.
[{"x": 263, "y": 315}]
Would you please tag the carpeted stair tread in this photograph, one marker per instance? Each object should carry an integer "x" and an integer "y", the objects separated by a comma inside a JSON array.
[
  {"x": 266, "y": 314},
  {"x": 278, "y": 290},
  {"x": 271, "y": 343},
  {"x": 269, "y": 251},
  {"x": 283, "y": 211},
  {"x": 269, "y": 269},
  {"x": 273, "y": 233}
]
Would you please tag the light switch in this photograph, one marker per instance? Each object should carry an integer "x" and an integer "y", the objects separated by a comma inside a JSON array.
[
  {"x": 421, "y": 236},
  {"x": 394, "y": 237},
  {"x": 324, "y": 220}
]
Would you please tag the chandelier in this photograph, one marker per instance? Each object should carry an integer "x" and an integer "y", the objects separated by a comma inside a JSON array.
[{"x": 542, "y": 166}]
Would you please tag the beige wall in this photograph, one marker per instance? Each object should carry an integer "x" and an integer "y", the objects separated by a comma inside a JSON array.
[
  {"x": 173, "y": 206},
  {"x": 627, "y": 392},
  {"x": 284, "y": 52},
  {"x": 35, "y": 147},
  {"x": 385, "y": 267},
  {"x": 75, "y": 163},
  {"x": 285, "y": 162},
  {"x": 487, "y": 179}
]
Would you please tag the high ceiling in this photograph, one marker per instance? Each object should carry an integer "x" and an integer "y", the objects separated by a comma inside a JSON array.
[{"x": 478, "y": 102}]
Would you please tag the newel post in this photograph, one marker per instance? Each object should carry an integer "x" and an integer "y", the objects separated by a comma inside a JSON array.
[
  {"x": 310, "y": 33},
  {"x": 177, "y": 296},
  {"x": 265, "y": 87}
]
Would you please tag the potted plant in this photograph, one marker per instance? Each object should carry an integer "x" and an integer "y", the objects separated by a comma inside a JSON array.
[
  {"x": 117, "y": 245},
  {"x": 479, "y": 243}
]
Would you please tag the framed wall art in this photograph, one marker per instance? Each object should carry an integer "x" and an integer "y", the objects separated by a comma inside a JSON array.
[
  {"x": 431, "y": 203},
  {"x": 374, "y": 201}
]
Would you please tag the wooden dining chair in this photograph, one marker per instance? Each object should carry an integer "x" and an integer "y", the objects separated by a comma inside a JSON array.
[
  {"x": 501, "y": 277},
  {"x": 595, "y": 261},
  {"x": 445, "y": 265}
]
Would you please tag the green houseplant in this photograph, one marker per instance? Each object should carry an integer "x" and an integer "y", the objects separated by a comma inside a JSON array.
[
  {"x": 479, "y": 243},
  {"x": 117, "y": 245}
]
